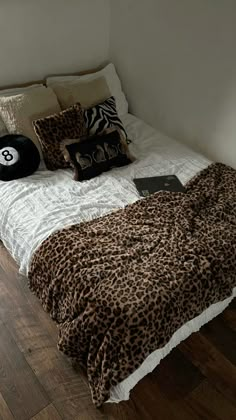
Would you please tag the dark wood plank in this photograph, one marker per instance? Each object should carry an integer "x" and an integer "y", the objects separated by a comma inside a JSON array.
[
  {"x": 177, "y": 376},
  {"x": 28, "y": 332},
  {"x": 220, "y": 372},
  {"x": 48, "y": 413},
  {"x": 222, "y": 336},
  {"x": 209, "y": 404},
  {"x": 7, "y": 263},
  {"x": 66, "y": 387},
  {"x": 157, "y": 406},
  {"x": 5, "y": 413},
  {"x": 152, "y": 400},
  {"x": 123, "y": 411},
  {"x": 45, "y": 321},
  {"x": 11, "y": 296},
  {"x": 19, "y": 386},
  {"x": 232, "y": 305},
  {"x": 16, "y": 300},
  {"x": 70, "y": 409},
  {"x": 229, "y": 317}
]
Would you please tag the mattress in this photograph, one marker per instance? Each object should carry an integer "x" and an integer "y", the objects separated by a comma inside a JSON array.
[{"x": 35, "y": 207}]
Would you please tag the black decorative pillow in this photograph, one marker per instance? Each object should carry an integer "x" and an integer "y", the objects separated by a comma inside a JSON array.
[
  {"x": 96, "y": 154},
  {"x": 19, "y": 157},
  {"x": 104, "y": 116}
]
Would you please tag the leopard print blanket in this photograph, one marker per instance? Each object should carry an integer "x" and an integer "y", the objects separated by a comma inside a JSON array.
[{"x": 121, "y": 285}]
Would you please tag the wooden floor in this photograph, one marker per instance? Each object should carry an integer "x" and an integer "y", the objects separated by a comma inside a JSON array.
[{"x": 196, "y": 381}]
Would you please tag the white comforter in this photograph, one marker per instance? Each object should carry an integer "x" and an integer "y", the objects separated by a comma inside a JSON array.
[{"x": 33, "y": 208}]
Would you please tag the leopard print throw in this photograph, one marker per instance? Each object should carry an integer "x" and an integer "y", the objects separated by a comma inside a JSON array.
[{"x": 121, "y": 285}]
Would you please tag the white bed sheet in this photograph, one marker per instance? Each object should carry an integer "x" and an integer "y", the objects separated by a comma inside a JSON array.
[{"x": 33, "y": 208}]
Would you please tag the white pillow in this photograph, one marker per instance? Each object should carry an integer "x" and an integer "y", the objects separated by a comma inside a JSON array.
[
  {"x": 87, "y": 93},
  {"x": 112, "y": 79},
  {"x": 11, "y": 92}
]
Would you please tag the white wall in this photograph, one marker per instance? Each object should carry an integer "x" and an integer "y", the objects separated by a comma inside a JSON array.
[
  {"x": 42, "y": 37},
  {"x": 177, "y": 61}
]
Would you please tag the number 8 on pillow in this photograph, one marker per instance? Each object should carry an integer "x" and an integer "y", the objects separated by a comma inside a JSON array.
[{"x": 19, "y": 157}]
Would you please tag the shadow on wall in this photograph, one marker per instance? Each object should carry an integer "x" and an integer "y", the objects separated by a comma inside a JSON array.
[
  {"x": 177, "y": 62},
  {"x": 223, "y": 138},
  {"x": 212, "y": 131},
  {"x": 39, "y": 38}
]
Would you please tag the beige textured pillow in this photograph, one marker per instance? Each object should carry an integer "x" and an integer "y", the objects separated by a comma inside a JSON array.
[
  {"x": 88, "y": 94},
  {"x": 19, "y": 111}
]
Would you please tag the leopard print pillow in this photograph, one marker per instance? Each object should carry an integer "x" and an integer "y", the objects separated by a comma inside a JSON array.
[{"x": 52, "y": 130}]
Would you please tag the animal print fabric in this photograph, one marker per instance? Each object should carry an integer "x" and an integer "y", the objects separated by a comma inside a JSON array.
[
  {"x": 121, "y": 285},
  {"x": 52, "y": 130},
  {"x": 103, "y": 116}
]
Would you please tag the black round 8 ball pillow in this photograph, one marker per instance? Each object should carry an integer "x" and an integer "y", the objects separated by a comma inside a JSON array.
[{"x": 19, "y": 157}]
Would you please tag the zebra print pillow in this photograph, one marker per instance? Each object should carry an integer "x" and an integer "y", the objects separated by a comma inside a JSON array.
[{"x": 103, "y": 116}]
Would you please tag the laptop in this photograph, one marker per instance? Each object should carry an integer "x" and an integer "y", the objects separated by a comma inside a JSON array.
[{"x": 147, "y": 186}]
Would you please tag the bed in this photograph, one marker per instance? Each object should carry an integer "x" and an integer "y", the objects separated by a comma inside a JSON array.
[{"x": 34, "y": 208}]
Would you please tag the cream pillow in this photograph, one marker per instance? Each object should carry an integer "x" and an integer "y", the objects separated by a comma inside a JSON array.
[
  {"x": 19, "y": 111},
  {"x": 88, "y": 94},
  {"x": 11, "y": 92},
  {"x": 112, "y": 79}
]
